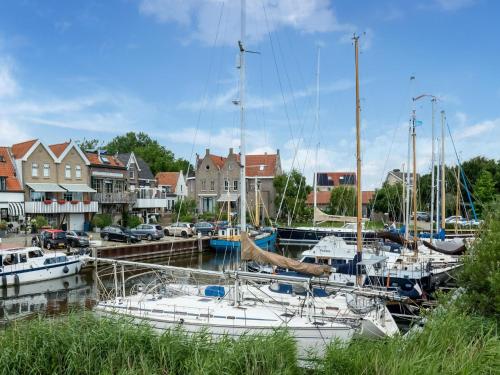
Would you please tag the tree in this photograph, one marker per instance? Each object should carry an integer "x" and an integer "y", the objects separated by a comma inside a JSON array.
[
  {"x": 155, "y": 155},
  {"x": 294, "y": 197},
  {"x": 484, "y": 189},
  {"x": 343, "y": 201},
  {"x": 89, "y": 144},
  {"x": 389, "y": 199},
  {"x": 184, "y": 209}
]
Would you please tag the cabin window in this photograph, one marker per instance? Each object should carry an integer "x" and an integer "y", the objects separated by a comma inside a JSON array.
[
  {"x": 67, "y": 171},
  {"x": 308, "y": 260},
  {"x": 78, "y": 171},
  {"x": 34, "y": 170},
  {"x": 10, "y": 259},
  {"x": 23, "y": 258},
  {"x": 46, "y": 170},
  {"x": 35, "y": 254}
]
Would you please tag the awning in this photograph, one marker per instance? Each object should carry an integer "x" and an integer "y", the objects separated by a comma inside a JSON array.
[
  {"x": 46, "y": 187},
  {"x": 228, "y": 198},
  {"x": 78, "y": 188},
  {"x": 16, "y": 209}
]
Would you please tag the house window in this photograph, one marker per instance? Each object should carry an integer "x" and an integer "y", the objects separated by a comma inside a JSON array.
[
  {"x": 131, "y": 174},
  {"x": 226, "y": 185},
  {"x": 3, "y": 184},
  {"x": 46, "y": 170},
  {"x": 67, "y": 171},
  {"x": 235, "y": 185},
  {"x": 78, "y": 171},
  {"x": 68, "y": 196},
  {"x": 34, "y": 170},
  {"x": 203, "y": 185},
  {"x": 212, "y": 185},
  {"x": 36, "y": 196}
]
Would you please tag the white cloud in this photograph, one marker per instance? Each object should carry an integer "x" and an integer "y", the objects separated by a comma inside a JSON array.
[
  {"x": 8, "y": 85},
  {"x": 308, "y": 16},
  {"x": 10, "y": 134},
  {"x": 477, "y": 129}
]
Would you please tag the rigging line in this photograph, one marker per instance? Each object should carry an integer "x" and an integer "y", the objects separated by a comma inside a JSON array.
[{"x": 200, "y": 112}]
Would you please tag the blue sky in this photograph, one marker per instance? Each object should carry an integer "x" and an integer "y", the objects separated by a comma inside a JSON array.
[{"x": 96, "y": 69}]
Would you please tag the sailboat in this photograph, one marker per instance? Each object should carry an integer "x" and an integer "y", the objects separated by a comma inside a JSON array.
[{"x": 310, "y": 235}]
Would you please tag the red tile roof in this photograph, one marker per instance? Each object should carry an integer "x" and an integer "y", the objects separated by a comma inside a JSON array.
[
  {"x": 94, "y": 160},
  {"x": 322, "y": 197},
  {"x": 7, "y": 170},
  {"x": 59, "y": 148},
  {"x": 366, "y": 196},
  {"x": 20, "y": 149},
  {"x": 168, "y": 178},
  {"x": 261, "y": 165},
  {"x": 218, "y": 160}
]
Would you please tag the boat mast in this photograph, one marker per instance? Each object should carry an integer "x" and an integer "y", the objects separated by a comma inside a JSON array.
[
  {"x": 257, "y": 210},
  {"x": 407, "y": 217},
  {"x": 433, "y": 102},
  {"x": 359, "y": 236},
  {"x": 243, "y": 212},
  {"x": 457, "y": 198},
  {"x": 438, "y": 189},
  {"x": 414, "y": 185},
  {"x": 315, "y": 176},
  {"x": 443, "y": 202}
]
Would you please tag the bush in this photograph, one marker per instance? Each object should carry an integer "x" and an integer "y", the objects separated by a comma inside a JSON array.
[
  {"x": 133, "y": 221},
  {"x": 102, "y": 220},
  {"x": 40, "y": 221},
  {"x": 3, "y": 225}
]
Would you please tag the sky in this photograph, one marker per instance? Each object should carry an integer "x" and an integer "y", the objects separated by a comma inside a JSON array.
[{"x": 97, "y": 69}]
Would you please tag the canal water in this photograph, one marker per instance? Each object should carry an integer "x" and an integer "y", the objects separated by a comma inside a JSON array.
[{"x": 60, "y": 296}]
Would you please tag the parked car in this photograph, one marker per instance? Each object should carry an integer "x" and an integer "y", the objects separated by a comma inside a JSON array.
[
  {"x": 178, "y": 229},
  {"x": 205, "y": 228},
  {"x": 148, "y": 231},
  {"x": 422, "y": 216},
  {"x": 77, "y": 238},
  {"x": 455, "y": 219},
  {"x": 50, "y": 239},
  {"x": 116, "y": 233}
]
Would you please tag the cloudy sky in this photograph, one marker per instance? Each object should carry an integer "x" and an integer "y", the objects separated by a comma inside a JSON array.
[{"x": 96, "y": 69}]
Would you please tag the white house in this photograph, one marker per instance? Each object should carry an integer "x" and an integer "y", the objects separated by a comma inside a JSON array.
[{"x": 173, "y": 185}]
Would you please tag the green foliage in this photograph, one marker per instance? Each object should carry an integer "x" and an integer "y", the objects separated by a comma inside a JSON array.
[
  {"x": 389, "y": 199},
  {"x": 134, "y": 221},
  {"x": 480, "y": 276},
  {"x": 155, "y": 155},
  {"x": 484, "y": 189},
  {"x": 3, "y": 225},
  {"x": 85, "y": 344},
  {"x": 207, "y": 216},
  {"x": 475, "y": 166},
  {"x": 102, "y": 220},
  {"x": 343, "y": 201},
  {"x": 40, "y": 221},
  {"x": 89, "y": 144},
  {"x": 185, "y": 209},
  {"x": 294, "y": 204}
]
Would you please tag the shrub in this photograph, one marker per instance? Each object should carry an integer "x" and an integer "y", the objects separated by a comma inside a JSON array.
[
  {"x": 3, "y": 225},
  {"x": 102, "y": 220},
  {"x": 133, "y": 221},
  {"x": 40, "y": 221}
]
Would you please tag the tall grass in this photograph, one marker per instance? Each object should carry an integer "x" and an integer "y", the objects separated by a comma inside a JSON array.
[{"x": 83, "y": 344}]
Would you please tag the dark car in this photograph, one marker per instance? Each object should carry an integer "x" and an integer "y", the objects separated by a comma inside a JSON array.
[
  {"x": 50, "y": 239},
  {"x": 77, "y": 238},
  {"x": 422, "y": 216},
  {"x": 205, "y": 228},
  {"x": 116, "y": 233},
  {"x": 148, "y": 231}
]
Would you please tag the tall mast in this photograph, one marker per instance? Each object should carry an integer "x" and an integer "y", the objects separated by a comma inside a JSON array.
[
  {"x": 257, "y": 208},
  {"x": 438, "y": 195},
  {"x": 359, "y": 236},
  {"x": 414, "y": 184},
  {"x": 433, "y": 101},
  {"x": 317, "y": 127},
  {"x": 457, "y": 199},
  {"x": 443, "y": 201},
  {"x": 408, "y": 184},
  {"x": 243, "y": 203}
]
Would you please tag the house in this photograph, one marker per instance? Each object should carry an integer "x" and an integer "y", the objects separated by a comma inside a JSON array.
[
  {"x": 396, "y": 176},
  {"x": 173, "y": 186},
  {"x": 138, "y": 172},
  {"x": 109, "y": 178},
  {"x": 217, "y": 180},
  {"x": 323, "y": 200},
  {"x": 366, "y": 197},
  {"x": 326, "y": 181},
  {"x": 56, "y": 183},
  {"x": 11, "y": 190}
]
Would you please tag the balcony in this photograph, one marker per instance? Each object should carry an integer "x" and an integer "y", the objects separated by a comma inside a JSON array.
[
  {"x": 115, "y": 198},
  {"x": 151, "y": 203},
  {"x": 60, "y": 208}
]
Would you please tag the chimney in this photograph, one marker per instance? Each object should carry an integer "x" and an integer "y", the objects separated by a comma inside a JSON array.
[
  {"x": 277, "y": 151},
  {"x": 231, "y": 151},
  {"x": 207, "y": 151}
]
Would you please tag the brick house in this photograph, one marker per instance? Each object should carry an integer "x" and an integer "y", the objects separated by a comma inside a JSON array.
[{"x": 11, "y": 190}]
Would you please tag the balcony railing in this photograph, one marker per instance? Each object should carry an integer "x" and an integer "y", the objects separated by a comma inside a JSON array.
[
  {"x": 151, "y": 203},
  {"x": 115, "y": 198},
  {"x": 60, "y": 208}
]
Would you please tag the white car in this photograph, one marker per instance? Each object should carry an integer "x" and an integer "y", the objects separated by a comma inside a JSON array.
[
  {"x": 179, "y": 230},
  {"x": 455, "y": 219}
]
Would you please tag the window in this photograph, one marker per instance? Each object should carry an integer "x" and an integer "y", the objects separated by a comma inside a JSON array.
[
  {"x": 67, "y": 171},
  {"x": 78, "y": 171},
  {"x": 235, "y": 185},
  {"x": 46, "y": 170},
  {"x": 68, "y": 196},
  {"x": 226, "y": 185},
  {"x": 212, "y": 185},
  {"x": 34, "y": 170},
  {"x": 36, "y": 196},
  {"x": 3, "y": 184},
  {"x": 131, "y": 173},
  {"x": 203, "y": 185}
]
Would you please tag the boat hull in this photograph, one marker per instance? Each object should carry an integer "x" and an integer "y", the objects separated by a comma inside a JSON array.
[{"x": 265, "y": 243}]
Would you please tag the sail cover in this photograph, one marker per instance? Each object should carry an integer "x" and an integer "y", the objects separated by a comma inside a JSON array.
[
  {"x": 250, "y": 251},
  {"x": 320, "y": 216}
]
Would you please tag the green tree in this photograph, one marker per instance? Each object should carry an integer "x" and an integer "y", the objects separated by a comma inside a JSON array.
[
  {"x": 343, "y": 201},
  {"x": 155, "y": 155},
  {"x": 484, "y": 189},
  {"x": 294, "y": 197},
  {"x": 89, "y": 144},
  {"x": 389, "y": 199},
  {"x": 184, "y": 209}
]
